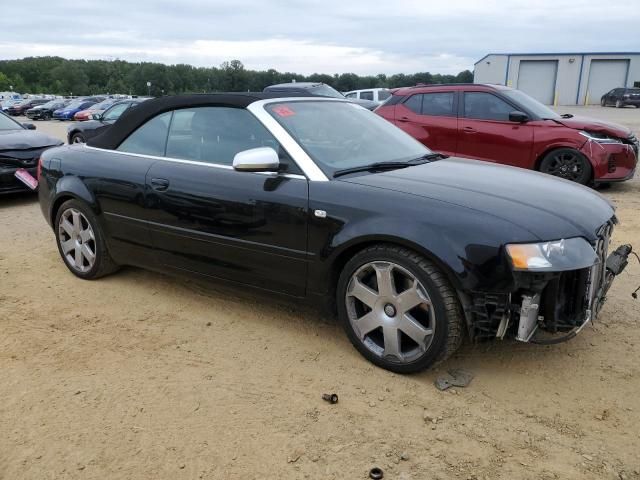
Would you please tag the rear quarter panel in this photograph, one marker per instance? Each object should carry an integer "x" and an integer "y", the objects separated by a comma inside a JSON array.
[{"x": 112, "y": 185}]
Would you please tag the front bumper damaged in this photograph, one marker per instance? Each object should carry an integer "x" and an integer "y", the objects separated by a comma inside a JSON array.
[{"x": 551, "y": 307}]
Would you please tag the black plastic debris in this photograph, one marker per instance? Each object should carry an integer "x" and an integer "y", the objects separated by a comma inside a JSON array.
[
  {"x": 376, "y": 473},
  {"x": 330, "y": 397}
]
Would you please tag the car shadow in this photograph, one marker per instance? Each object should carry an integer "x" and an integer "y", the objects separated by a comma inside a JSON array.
[{"x": 18, "y": 199}]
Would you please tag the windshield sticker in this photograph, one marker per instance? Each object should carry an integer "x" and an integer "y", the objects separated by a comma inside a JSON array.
[{"x": 283, "y": 111}]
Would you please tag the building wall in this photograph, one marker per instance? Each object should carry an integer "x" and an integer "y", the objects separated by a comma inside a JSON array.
[{"x": 572, "y": 74}]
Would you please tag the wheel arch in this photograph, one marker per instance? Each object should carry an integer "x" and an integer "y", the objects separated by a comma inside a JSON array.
[
  {"x": 343, "y": 254},
  {"x": 71, "y": 133},
  {"x": 71, "y": 188}
]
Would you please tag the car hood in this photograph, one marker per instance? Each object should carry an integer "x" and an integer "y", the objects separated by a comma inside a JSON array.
[
  {"x": 590, "y": 124},
  {"x": 548, "y": 207},
  {"x": 25, "y": 139}
]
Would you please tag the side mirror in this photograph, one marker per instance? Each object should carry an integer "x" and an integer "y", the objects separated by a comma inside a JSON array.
[
  {"x": 29, "y": 126},
  {"x": 518, "y": 117},
  {"x": 262, "y": 159}
]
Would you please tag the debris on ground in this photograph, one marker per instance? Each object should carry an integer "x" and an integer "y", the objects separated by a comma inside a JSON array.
[
  {"x": 330, "y": 397},
  {"x": 376, "y": 473},
  {"x": 456, "y": 377}
]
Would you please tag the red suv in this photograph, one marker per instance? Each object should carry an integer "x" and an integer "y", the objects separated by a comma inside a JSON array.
[{"x": 500, "y": 124}]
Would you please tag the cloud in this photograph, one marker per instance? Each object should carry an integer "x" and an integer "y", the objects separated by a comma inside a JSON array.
[{"x": 306, "y": 37}]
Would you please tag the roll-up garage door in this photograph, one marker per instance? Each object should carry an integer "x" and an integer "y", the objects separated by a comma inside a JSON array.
[
  {"x": 538, "y": 79},
  {"x": 605, "y": 75}
]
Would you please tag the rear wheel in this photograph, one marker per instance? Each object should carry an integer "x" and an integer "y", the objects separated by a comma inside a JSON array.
[
  {"x": 398, "y": 309},
  {"x": 619, "y": 104},
  {"x": 77, "y": 138},
  {"x": 81, "y": 242},
  {"x": 567, "y": 163}
]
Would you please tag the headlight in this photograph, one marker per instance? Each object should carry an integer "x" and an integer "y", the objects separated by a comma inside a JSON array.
[
  {"x": 599, "y": 137},
  {"x": 556, "y": 256}
]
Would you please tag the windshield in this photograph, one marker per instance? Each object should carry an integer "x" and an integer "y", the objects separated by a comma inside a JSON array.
[
  {"x": 52, "y": 104},
  {"x": 340, "y": 135},
  {"x": 531, "y": 104},
  {"x": 325, "y": 91},
  {"x": 7, "y": 123}
]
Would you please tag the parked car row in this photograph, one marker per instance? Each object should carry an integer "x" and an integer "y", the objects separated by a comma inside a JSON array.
[
  {"x": 100, "y": 120},
  {"x": 45, "y": 110},
  {"x": 21, "y": 107},
  {"x": 77, "y": 105}
]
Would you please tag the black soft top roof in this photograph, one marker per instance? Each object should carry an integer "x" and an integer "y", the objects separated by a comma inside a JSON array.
[{"x": 134, "y": 117}]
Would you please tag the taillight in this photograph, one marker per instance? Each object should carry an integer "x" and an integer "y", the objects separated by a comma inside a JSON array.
[{"x": 39, "y": 170}]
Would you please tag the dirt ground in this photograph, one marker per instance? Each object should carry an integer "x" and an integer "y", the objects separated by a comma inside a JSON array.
[{"x": 142, "y": 376}]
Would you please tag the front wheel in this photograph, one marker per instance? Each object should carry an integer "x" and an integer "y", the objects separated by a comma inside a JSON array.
[
  {"x": 567, "y": 163},
  {"x": 619, "y": 104},
  {"x": 603, "y": 102},
  {"x": 81, "y": 242},
  {"x": 398, "y": 309},
  {"x": 77, "y": 138}
]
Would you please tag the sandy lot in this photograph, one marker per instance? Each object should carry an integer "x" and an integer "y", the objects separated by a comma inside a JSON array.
[{"x": 140, "y": 376}]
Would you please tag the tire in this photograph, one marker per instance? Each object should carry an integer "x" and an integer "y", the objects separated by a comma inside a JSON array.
[
  {"x": 436, "y": 319},
  {"x": 619, "y": 104},
  {"x": 83, "y": 239},
  {"x": 46, "y": 116},
  {"x": 567, "y": 163},
  {"x": 603, "y": 102},
  {"x": 77, "y": 138}
]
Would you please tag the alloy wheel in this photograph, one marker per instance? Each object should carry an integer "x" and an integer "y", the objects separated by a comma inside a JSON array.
[
  {"x": 77, "y": 139},
  {"x": 77, "y": 240},
  {"x": 390, "y": 311},
  {"x": 566, "y": 165}
]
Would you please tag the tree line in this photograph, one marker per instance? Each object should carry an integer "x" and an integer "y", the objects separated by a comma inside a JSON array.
[{"x": 60, "y": 76}]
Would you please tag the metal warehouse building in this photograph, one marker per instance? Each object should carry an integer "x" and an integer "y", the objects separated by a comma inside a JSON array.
[{"x": 561, "y": 78}]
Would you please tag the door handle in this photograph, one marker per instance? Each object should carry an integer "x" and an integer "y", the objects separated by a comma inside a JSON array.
[
  {"x": 404, "y": 119},
  {"x": 159, "y": 184},
  {"x": 469, "y": 130}
]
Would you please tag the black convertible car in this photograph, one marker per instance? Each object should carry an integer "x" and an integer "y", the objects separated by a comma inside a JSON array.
[
  {"x": 322, "y": 199},
  {"x": 20, "y": 147}
]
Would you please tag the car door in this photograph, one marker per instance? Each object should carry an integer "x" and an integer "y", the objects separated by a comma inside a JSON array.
[
  {"x": 120, "y": 186},
  {"x": 431, "y": 118},
  {"x": 485, "y": 132},
  {"x": 208, "y": 218}
]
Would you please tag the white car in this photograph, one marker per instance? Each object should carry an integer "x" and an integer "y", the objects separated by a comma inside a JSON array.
[{"x": 376, "y": 94}]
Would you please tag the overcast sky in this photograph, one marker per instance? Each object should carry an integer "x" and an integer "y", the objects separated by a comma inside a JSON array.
[{"x": 364, "y": 37}]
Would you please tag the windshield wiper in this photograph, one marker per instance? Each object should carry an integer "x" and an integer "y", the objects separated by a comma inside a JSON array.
[
  {"x": 378, "y": 166},
  {"x": 567, "y": 115},
  {"x": 372, "y": 167},
  {"x": 433, "y": 156}
]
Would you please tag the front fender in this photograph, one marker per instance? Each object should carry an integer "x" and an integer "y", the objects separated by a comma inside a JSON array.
[{"x": 466, "y": 244}]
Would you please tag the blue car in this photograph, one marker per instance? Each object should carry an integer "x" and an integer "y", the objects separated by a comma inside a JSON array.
[{"x": 67, "y": 113}]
